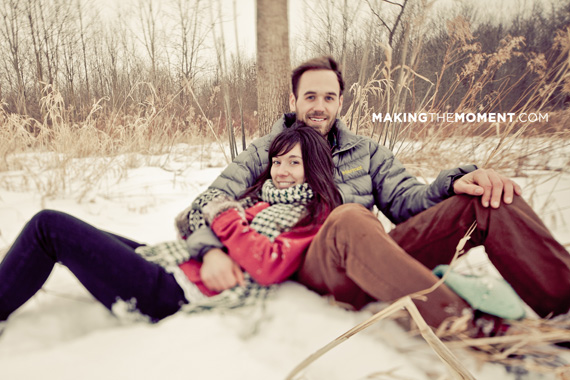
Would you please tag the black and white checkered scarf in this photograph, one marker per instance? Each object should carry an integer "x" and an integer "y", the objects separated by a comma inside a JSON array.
[{"x": 287, "y": 206}]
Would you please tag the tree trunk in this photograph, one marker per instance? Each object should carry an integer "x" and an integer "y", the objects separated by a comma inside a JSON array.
[{"x": 273, "y": 63}]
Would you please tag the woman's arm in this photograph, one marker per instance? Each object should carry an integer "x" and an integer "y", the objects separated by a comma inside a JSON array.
[{"x": 268, "y": 262}]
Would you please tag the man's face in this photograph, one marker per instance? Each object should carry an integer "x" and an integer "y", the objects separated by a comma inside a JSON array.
[{"x": 319, "y": 100}]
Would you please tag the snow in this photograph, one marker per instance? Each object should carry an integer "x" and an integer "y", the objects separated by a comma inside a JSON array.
[{"x": 63, "y": 333}]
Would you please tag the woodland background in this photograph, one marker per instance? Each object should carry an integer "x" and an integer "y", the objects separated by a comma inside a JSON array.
[{"x": 83, "y": 77}]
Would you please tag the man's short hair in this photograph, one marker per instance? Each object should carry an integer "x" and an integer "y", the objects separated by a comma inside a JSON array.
[{"x": 319, "y": 63}]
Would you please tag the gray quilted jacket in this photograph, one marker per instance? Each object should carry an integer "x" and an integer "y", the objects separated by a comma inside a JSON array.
[{"x": 365, "y": 173}]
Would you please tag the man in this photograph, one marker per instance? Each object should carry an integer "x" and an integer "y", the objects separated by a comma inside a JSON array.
[{"x": 353, "y": 258}]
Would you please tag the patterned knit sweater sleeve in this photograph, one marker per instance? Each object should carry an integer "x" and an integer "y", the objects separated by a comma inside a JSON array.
[{"x": 268, "y": 261}]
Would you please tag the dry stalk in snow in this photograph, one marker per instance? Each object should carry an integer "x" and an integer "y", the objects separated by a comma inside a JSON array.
[{"x": 456, "y": 369}]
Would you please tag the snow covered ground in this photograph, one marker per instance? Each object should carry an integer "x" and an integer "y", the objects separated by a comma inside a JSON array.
[{"x": 62, "y": 333}]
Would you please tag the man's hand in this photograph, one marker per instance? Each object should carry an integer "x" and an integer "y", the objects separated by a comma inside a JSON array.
[
  {"x": 490, "y": 185},
  {"x": 219, "y": 271}
]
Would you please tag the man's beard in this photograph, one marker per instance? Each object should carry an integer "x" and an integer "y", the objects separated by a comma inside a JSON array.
[{"x": 323, "y": 129}]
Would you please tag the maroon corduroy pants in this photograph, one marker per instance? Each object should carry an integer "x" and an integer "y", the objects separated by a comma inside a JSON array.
[{"x": 356, "y": 261}]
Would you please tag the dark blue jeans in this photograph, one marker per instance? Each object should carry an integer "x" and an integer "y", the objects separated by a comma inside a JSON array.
[{"x": 105, "y": 264}]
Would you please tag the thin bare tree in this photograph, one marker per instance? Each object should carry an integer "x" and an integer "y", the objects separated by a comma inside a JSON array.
[
  {"x": 30, "y": 13},
  {"x": 240, "y": 77},
  {"x": 82, "y": 36},
  {"x": 191, "y": 35},
  {"x": 390, "y": 26},
  {"x": 11, "y": 33},
  {"x": 148, "y": 18}
]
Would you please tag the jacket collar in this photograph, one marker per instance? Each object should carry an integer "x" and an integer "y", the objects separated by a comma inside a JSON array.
[{"x": 346, "y": 139}]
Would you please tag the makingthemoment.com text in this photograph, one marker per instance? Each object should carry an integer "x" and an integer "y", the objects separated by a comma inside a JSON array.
[{"x": 425, "y": 117}]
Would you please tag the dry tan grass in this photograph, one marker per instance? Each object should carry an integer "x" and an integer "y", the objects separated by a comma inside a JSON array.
[
  {"x": 528, "y": 346},
  {"x": 44, "y": 154}
]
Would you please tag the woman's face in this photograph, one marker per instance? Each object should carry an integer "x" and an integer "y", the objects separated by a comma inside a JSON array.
[{"x": 287, "y": 169}]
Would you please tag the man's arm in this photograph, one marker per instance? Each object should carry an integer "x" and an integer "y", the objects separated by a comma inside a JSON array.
[
  {"x": 233, "y": 181},
  {"x": 219, "y": 271},
  {"x": 192, "y": 228},
  {"x": 398, "y": 194}
]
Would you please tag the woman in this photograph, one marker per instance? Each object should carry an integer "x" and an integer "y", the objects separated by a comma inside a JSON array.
[{"x": 266, "y": 232}]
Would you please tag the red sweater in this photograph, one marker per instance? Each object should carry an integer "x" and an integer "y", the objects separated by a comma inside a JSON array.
[{"x": 268, "y": 262}]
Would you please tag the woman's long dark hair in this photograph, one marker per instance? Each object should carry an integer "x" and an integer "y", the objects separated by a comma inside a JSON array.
[{"x": 317, "y": 164}]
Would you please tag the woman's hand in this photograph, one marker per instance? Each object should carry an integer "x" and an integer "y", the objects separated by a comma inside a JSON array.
[{"x": 220, "y": 272}]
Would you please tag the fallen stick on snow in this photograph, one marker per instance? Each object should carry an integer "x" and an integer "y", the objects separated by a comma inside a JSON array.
[{"x": 457, "y": 370}]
